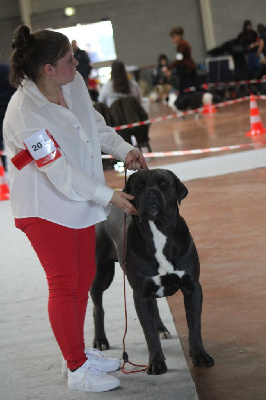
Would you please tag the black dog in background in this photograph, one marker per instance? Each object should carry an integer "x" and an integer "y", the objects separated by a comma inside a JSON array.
[
  {"x": 189, "y": 101},
  {"x": 161, "y": 258}
]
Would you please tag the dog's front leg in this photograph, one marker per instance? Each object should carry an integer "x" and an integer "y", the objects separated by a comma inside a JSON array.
[
  {"x": 161, "y": 329},
  {"x": 193, "y": 305},
  {"x": 147, "y": 320}
]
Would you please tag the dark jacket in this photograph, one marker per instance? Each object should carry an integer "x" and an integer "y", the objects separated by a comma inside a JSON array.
[
  {"x": 126, "y": 111},
  {"x": 6, "y": 92},
  {"x": 84, "y": 67}
]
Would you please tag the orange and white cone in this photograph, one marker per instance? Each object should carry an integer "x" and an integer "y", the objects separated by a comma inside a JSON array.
[
  {"x": 4, "y": 189},
  {"x": 256, "y": 126}
]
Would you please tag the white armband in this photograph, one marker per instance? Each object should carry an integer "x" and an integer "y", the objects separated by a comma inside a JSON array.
[
  {"x": 179, "y": 56},
  {"x": 42, "y": 147}
]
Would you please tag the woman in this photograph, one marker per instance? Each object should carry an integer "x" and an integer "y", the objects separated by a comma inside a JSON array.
[
  {"x": 118, "y": 86},
  {"x": 58, "y": 191},
  {"x": 250, "y": 40},
  {"x": 184, "y": 65}
]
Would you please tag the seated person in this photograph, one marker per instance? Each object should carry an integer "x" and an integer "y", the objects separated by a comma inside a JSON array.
[
  {"x": 158, "y": 77},
  {"x": 118, "y": 86}
]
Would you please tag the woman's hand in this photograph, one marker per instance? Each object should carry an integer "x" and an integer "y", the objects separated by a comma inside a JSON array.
[
  {"x": 135, "y": 160},
  {"x": 121, "y": 200}
]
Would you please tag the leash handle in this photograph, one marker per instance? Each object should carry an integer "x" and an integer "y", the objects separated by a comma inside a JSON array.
[{"x": 125, "y": 355}]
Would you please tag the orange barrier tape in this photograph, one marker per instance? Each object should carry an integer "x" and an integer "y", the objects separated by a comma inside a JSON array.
[
  {"x": 189, "y": 112},
  {"x": 195, "y": 151}
]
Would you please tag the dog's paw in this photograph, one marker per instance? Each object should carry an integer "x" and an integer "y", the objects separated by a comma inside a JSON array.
[
  {"x": 150, "y": 288},
  {"x": 157, "y": 367},
  {"x": 101, "y": 344},
  {"x": 170, "y": 290},
  {"x": 164, "y": 333},
  {"x": 162, "y": 285},
  {"x": 202, "y": 360}
]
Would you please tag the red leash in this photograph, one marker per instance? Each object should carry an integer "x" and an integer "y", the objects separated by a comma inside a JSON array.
[{"x": 125, "y": 355}]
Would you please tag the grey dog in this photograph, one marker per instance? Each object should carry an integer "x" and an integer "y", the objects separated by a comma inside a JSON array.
[{"x": 161, "y": 258}]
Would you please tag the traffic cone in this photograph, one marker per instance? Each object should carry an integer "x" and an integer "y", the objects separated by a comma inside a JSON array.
[
  {"x": 256, "y": 127},
  {"x": 4, "y": 189},
  {"x": 208, "y": 107}
]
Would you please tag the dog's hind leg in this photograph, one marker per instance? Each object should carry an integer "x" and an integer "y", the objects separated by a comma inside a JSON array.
[
  {"x": 145, "y": 312},
  {"x": 100, "y": 340},
  {"x": 162, "y": 330},
  {"x": 193, "y": 305},
  {"x": 104, "y": 276}
]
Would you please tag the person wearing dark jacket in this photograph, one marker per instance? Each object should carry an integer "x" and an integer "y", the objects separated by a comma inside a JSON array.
[
  {"x": 6, "y": 92},
  {"x": 158, "y": 77},
  {"x": 184, "y": 64},
  {"x": 84, "y": 67},
  {"x": 250, "y": 40}
]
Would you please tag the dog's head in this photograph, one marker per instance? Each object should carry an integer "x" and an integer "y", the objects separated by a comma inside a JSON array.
[{"x": 157, "y": 193}]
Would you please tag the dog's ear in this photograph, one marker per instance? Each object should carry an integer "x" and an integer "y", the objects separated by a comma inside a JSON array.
[
  {"x": 128, "y": 185},
  {"x": 181, "y": 189}
]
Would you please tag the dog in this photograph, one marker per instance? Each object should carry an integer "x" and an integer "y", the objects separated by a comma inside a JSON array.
[
  {"x": 161, "y": 258},
  {"x": 189, "y": 101}
]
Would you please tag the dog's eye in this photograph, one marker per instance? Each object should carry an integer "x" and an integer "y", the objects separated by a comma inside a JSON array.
[
  {"x": 162, "y": 183},
  {"x": 141, "y": 184}
]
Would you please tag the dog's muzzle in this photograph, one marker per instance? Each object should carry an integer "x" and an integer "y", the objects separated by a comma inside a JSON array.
[{"x": 152, "y": 205}]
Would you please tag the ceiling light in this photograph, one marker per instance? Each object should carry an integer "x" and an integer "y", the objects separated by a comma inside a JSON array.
[{"x": 69, "y": 11}]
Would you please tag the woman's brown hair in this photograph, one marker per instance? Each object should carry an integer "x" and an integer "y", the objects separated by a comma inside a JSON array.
[
  {"x": 32, "y": 51},
  {"x": 119, "y": 77}
]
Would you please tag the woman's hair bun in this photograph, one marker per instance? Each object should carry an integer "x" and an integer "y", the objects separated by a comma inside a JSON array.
[{"x": 22, "y": 38}]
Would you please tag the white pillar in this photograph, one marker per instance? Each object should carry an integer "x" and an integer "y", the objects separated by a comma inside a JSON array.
[
  {"x": 25, "y": 12},
  {"x": 207, "y": 24}
]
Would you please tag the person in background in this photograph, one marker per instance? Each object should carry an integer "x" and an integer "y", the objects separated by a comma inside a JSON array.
[
  {"x": 54, "y": 138},
  {"x": 93, "y": 84},
  {"x": 159, "y": 77},
  {"x": 184, "y": 65},
  {"x": 261, "y": 71},
  {"x": 250, "y": 40},
  {"x": 84, "y": 67},
  {"x": 6, "y": 92},
  {"x": 120, "y": 85},
  {"x": 262, "y": 36}
]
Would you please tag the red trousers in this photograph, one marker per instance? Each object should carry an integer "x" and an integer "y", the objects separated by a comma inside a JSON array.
[{"x": 68, "y": 259}]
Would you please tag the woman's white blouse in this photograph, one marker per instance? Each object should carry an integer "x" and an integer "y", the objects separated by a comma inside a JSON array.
[{"x": 70, "y": 191}]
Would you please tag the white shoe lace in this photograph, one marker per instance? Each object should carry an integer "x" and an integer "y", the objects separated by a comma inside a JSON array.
[{"x": 95, "y": 353}]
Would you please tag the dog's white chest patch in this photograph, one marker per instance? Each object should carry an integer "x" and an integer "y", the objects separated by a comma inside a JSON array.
[
  {"x": 159, "y": 240},
  {"x": 157, "y": 284}
]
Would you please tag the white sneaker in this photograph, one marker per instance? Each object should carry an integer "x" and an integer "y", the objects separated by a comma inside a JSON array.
[
  {"x": 97, "y": 358},
  {"x": 89, "y": 378}
]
